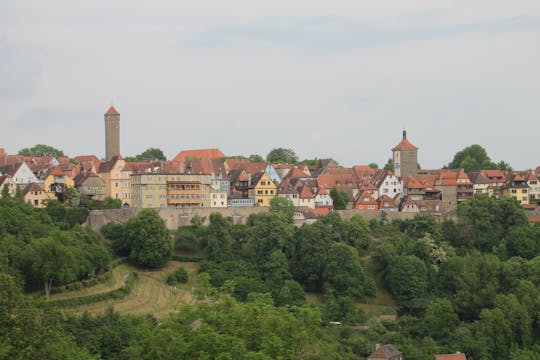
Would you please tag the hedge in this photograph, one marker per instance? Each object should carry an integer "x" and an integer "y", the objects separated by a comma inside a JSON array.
[
  {"x": 185, "y": 258},
  {"x": 111, "y": 295}
]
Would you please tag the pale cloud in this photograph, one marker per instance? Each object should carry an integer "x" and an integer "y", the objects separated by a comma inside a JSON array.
[{"x": 329, "y": 79}]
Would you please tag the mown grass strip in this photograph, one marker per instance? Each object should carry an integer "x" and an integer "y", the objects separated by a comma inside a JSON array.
[{"x": 119, "y": 293}]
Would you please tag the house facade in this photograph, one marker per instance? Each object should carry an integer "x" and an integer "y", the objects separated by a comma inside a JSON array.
[
  {"x": 117, "y": 178},
  {"x": 262, "y": 189},
  {"x": 35, "y": 195}
]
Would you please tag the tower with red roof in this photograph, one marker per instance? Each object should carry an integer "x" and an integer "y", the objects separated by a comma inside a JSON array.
[
  {"x": 112, "y": 133},
  {"x": 405, "y": 158}
]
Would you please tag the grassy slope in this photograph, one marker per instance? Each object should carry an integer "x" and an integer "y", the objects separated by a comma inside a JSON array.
[{"x": 150, "y": 295}]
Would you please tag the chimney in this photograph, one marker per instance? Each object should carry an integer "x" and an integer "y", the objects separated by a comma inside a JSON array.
[
  {"x": 404, "y": 134},
  {"x": 249, "y": 179},
  {"x": 377, "y": 346}
]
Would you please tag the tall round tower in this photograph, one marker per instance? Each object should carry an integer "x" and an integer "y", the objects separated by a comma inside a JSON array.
[{"x": 112, "y": 133}]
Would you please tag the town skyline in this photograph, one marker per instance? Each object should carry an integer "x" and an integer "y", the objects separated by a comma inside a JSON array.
[{"x": 337, "y": 81}]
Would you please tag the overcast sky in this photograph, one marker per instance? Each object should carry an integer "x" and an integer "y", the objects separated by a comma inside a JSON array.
[{"x": 336, "y": 79}]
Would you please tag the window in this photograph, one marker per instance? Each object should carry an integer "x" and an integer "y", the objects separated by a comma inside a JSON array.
[{"x": 36, "y": 202}]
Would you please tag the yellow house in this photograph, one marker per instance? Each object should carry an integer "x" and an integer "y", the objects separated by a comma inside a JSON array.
[
  {"x": 262, "y": 189},
  {"x": 517, "y": 188},
  {"x": 117, "y": 178},
  {"x": 56, "y": 182}
]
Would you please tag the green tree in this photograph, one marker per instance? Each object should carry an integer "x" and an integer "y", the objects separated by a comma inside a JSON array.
[
  {"x": 340, "y": 198},
  {"x": 406, "y": 278},
  {"x": 255, "y": 158},
  {"x": 49, "y": 261},
  {"x": 373, "y": 165},
  {"x": 150, "y": 154},
  {"x": 440, "y": 320},
  {"x": 389, "y": 166},
  {"x": 344, "y": 272},
  {"x": 283, "y": 208},
  {"x": 282, "y": 155},
  {"x": 149, "y": 239},
  {"x": 5, "y": 191},
  {"x": 41, "y": 150},
  {"x": 473, "y": 157}
]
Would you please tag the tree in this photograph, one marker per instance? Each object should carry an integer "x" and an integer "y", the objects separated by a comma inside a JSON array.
[
  {"x": 5, "y": 191},
  {"x": 41, "y": 150},
  {"x": 282, "y": 155},
  {"x": 149, "y": 239},
  {"x": 150, "y": 154},
  {"x": 389, "y": 166},
  {"x": 473, "y": 157},
  {"x": 49, "y": 260},
  {"x": 283, "y": 208},
  {"x": 373, "y": 165},
  {"x": 407, "y": 278},
  {"x": 344, "y": 273},
  {"x": 340, "y": 198},
  {"x": 255, "y": 158}
]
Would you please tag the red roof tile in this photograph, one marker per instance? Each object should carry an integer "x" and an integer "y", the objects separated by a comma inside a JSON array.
[
  {"x": 198, "y": 153},
  {"x": 306, "y": 193},
  {"x": 404, "y": 144},
  {"x": 451, "y": 357},
  {"x": 112, "y": 111},
  {"x": 57, "y": 171}
]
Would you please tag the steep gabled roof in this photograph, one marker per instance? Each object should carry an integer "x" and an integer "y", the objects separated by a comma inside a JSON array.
[
  {"x": 107, "y": 166},
  {"x": 236, "y": 164},
  {"x": 363, "y": 171},
  {"x": 32, "y": 187},
  {"x": 387, "y": 351},
  {"x": 57, "y": 171},
  {"x": 306, "y": 193},
  {"x": 199, "y": 153}
]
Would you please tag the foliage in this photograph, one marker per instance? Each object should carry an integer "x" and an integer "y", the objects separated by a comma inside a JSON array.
[
  {"x": 283, "y": 208},
  {"x": 474, "y": 158},
  {"x": 373, "y": 165},
  {"x": 282, "y": 156},
  {"x": 389, "y": 166},
  {"x": 339, "y": 198},
  {"x": 41, "y": 150},
  {"x": 107, "y": 203},
  {"x": 115, "y": 294},
  {"x": 180, "y": 275},
  {"x": 150, "y": 154},
  {"x": 148, "y": 239},
  {"x": 31, "y": 329},
  {"x": 255, "y": 158}
]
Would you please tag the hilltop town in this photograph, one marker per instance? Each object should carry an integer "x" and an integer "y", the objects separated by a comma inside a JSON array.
[{"x": 207, "y": 178}]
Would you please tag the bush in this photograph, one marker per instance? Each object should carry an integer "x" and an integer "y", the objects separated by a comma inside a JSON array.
[
  {"x": 114, "y": 294},
  {"x": 179, "y": 276}
]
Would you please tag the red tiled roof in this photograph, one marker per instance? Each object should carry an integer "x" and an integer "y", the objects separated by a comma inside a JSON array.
[
  {"x": 322, "y": 191},
  {"x": 306, "y": 193},
  {"x": 86, "y": 158},
  {"x": 362, "y": 171},
  {"x": 237, "y": 164},
  {"x": 321, "y": 211},
  {"x": 112, "y": 111},
  {"x": 459, "y": 356},
  {"x": 404, "y": 144},
  {"x": 198, "y": 153},
  {"x": 57, "y": 171}
]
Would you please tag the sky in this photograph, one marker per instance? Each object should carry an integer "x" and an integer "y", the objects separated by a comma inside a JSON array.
[{"x": 337, "y": 79}]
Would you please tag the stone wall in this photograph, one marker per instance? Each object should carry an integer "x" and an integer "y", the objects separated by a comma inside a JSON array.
[
  {"x": 181, "y": 217},
  {"x": 173, "y": 217}
]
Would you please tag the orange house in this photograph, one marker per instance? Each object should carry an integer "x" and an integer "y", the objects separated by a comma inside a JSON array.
[{"x": 117, "y": 178}]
